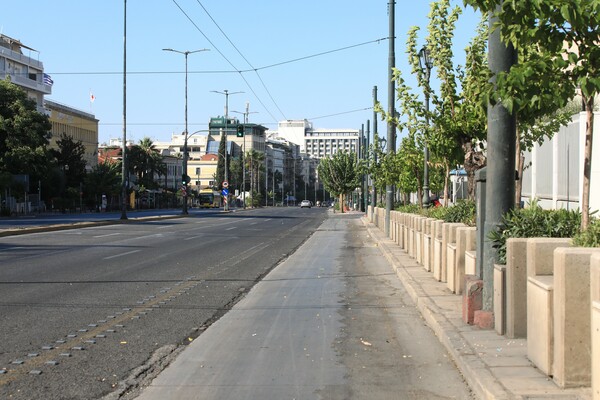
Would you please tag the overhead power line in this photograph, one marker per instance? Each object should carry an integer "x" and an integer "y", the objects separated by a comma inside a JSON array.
[{"x": 341, "y": 113}]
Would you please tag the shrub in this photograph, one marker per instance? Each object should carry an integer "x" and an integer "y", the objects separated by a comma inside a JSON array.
[
  {"x": 410, "y": 209},
  {"x": 463, "y": 211},
  {"x": 534, "y": 221},
  {"x": 590, "y": 237}
]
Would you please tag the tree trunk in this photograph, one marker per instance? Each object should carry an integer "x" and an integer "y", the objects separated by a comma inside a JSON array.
[
  {"x": 519, "y": 167},
  {"x": 446, "y": 179},
  {"x": 342, "y": 203},
  {"x": 474, "y": 160},
  {"x": 587, "y": 162}
]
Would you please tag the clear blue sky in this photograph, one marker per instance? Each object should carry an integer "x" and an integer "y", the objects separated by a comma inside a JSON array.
[{"x": 81, "y": 46}]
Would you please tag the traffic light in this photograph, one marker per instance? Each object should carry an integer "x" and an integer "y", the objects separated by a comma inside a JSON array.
[
  {"x": 185, "y": 179},
  {"x": 240, "y": 131}
]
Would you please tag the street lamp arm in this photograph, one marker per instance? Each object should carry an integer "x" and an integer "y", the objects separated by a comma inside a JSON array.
[{"x": 186, "y": 52}]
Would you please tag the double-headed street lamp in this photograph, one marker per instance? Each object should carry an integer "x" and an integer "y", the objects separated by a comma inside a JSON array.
[
  {"x": 426, "y": 64},
  {"x": 226, "y": 93},
  {"x": 185, "y": 140}
]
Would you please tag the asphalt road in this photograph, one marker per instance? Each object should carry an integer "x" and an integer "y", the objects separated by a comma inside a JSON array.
[
  {"x": 331, "y": 322},
  {"x": 94, "y": 311}
]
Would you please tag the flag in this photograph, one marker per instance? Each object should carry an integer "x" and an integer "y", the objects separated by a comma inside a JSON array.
[
  {"x": 92, "y": 97},
  {"x": 48, "y": 80}
]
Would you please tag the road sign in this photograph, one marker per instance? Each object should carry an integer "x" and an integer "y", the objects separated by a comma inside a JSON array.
[
  {"x": 225, "y": 184},
  {"x": 225, "y": 192}
]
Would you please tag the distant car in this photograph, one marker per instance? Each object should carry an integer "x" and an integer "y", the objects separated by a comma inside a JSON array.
[{"x": 305, "y": 203}]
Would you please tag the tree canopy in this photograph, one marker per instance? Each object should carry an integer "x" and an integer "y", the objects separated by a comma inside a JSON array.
[{"x": 340, "y": 174}]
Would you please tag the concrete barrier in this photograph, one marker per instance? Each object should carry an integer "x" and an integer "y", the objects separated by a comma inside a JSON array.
[
  {"x": 428, "y": 245},
  {"x": 471, "y": 262},
  {"x": 539, "y": 326},
  {"x": 540, "y": 335},
  {"x": 516, "y": 288},
  {"x": 451, "y": 230},
  {"x": 572, "y": 320},
  {"x": 437, "y": 249},
  {"x": 499, "y": 298},
  {"x": 595, "y": 316},
  {"x": 465, "y": 241},
  {"x": 419, "y": 239}
]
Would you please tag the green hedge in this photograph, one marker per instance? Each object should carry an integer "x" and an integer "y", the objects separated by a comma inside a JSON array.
[
  {"x": 463, "y": 211},
  {"x": 534, "y": 221}
]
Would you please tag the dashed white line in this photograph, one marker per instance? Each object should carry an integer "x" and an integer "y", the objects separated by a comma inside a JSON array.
[
  {"x": 108, "y": 234},
  {"x": 122, "y": 254}
]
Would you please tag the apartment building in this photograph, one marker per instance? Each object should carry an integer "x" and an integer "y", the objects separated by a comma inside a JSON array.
[{"x": 17, "y": 64}]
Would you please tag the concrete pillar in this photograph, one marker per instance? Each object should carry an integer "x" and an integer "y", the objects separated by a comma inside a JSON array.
[
  {"x": 448, "y": 270},
  {"x": 516, "y": 288},
  {"x": 540, "y": 311},
  {"x": 500, "y": 298},
  {"x": 595, "y": 298},
  {"x": 419, "y": 239},
  {"x": 572, "y": 319},
  {"x": 465, "y": 241},
  {"x": 438, "y": 228}
]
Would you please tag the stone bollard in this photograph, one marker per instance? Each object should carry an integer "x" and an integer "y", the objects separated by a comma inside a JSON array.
[
  {"x": 428, "y": 244},
  {"x": 572, "y": 325},
  {"x": 451, "y": 252},
  {"x": 465, "y": 241},
  {"x": 438, "y": 227},
  {"x": 516, "y": 287},
  {"x": 472, "y": 298},
  {"x": 540, "y": 301},
  {"x": 595, "y": 298}
]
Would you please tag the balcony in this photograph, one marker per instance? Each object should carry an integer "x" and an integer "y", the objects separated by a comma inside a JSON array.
[{"x": 27, "y": 83}]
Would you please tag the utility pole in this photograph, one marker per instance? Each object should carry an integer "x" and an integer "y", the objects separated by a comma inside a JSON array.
[
  {"x": 124, "y": 148},
  {"x": 366, "y": 178},
  {"x": 501, "y": 136},
  {"x": 376, "y": 146},
  {"x": 391, "y": 128}
]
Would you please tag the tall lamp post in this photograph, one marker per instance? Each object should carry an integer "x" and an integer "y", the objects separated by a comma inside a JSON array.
[
  {"x": 185, "y": 137},
  {"x": 124, "y": 148},
  {"x": 426, "y": 64},
  {"x": 245, "y": 114},
  {"x": 226, "y": 93}
]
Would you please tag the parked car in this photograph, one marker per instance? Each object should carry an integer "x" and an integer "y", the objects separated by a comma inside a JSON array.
[{"x": 305, "y": 203}]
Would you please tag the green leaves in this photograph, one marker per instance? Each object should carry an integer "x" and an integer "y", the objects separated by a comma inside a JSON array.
[{"x": 341, "y": 173}]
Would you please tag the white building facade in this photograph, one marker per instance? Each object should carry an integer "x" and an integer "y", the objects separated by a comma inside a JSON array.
[{"x": 23, "y": 70}]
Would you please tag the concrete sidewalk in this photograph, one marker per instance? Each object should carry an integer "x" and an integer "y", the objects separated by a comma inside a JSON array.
[{"x": 495, "y": 367}]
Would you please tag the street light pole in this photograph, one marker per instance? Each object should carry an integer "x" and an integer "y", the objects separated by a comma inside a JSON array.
[
  {"x": 185, "y": 137},
  {"x": 226, "y": 93},
  {"x": 124, "y": 148},
  {"x": 426, "y": 64}
]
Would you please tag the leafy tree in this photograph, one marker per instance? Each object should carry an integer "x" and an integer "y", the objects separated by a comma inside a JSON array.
[
  {"x": 221, "y": 163},
  {"x": 24, "y": 134},
  {"x": 69, "y": 158},
  {"x": 566, "y": 34},
  {"x": 104, "y": 178},
  {"x": 144, "y": 160},
  {"x": 340, "y": 174}
]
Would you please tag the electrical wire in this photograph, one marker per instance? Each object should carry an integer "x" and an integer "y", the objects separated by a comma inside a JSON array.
[{"x": 245, "y": 59}]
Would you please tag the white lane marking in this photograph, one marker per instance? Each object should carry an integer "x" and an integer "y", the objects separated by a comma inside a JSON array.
[
  {"x": 166, "y": 226},
  {"x": 122, "y": 254},
  {"x": 108, "y": 234},
  {"x": 193, "y": 237},
  {"x": 228, "y": 229}
]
